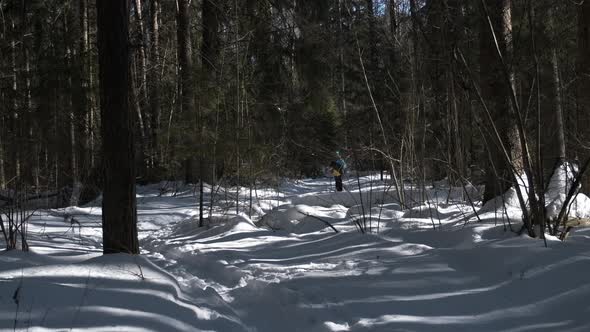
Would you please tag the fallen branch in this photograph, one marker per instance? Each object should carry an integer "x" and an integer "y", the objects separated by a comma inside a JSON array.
[{"x": 320, "y": 219}]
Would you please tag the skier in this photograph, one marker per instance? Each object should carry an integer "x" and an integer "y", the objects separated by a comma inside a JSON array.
[{"x": 338, "y": 167}]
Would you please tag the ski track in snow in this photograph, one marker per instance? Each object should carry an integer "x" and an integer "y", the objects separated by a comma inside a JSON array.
[{"x": 297, "y": 274}]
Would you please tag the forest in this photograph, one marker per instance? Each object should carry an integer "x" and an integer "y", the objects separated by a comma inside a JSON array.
[
  {"x": 246, "y": 91},
  {"x": 241, "y": 91},
  {"x": 233, "y": 103}
]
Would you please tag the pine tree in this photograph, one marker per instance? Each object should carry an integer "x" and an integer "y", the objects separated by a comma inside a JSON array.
[
  {"x": 119, "y": 214},
  {"x": 583, "y": 86}
]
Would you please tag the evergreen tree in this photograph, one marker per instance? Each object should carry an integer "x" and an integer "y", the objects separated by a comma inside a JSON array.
[{"x": 119, "y": 214}]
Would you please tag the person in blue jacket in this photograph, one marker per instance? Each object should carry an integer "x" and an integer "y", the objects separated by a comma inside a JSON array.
[{"x": 337, "y": 170}]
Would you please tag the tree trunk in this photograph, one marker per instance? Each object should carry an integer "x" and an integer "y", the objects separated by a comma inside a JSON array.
[
  {"x": 341, "y": 67},
  {"x": 416, "y": 100},
  {"x": 2, "y": 170},
  {"x": 15, "y": 106},
  {"x": 3, "y": 129},
  {"x": 139, "y": 92},
  {"x": 372, "y": 36},
  {"x": 119, "y": 215},
  {"x": 209, "y": 56},
  {"x": 154, "y": 82},
  {"x": 78, "y": 105},
  {"x": 393, "y": 33},
  {"x": 75, "y": 106},
  {"x": 142, "y": 49},
  {"x": 86, "y": 99},
  {"x": 553, "y": 151},
  {"x": 185, "y": 62},
  {"x": 583, "y": 86},
  {"x": 136, "y": 104},
  {"x": 494, "y": 91},
  {"x": 454, "y": 30},
  {"x": 88, "y": 81}
]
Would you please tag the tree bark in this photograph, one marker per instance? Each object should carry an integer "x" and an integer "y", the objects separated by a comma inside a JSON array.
[
  {"x": 494, "y": 91},
  {"x": 75, "y": 105},
  {"x": 552, "y": 136},
  {"x": 142, "y": 49},
  {"x": 185, "y": 62},
  {"x": 15, "y": 105},
  {"x": 85, "y": 76},
  {"x": 2, "y": 169},
  {"x": 139, "y": 89},
  {"x": 454, "y": 30},
  {"x": 3, "y": 129},
  {"x": 393, "y": 32},
  {"x": 154, "y": 82},
  {"x": 119, "y": 217},
  {"x": 372, "y": 36},
  {"x": 209, "y": 56},
  {"x": 583, "y": 86}
]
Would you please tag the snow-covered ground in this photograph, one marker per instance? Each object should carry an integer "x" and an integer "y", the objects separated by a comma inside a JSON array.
[{"x": 426, "y": 265}]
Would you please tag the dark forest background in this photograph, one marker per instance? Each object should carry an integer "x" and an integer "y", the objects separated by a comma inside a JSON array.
[{"x": 238, "y": 92}]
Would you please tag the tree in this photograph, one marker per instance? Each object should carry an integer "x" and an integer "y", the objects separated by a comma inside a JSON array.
[
  {"x": 154, "y": 83},
  {"x": 495, "y": 92},
  {"x": 583, "y": 86},
  {"x": 185, "y": 64},
  {"x": 548, "y": 95},
  {"x": 119, "y": 216},
  {"x": 139, "y": 91}
]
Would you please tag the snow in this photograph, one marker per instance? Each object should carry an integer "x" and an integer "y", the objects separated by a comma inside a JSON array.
[
  {"x": 426, "y": 265},
  {"x": 559, "y": 186}
]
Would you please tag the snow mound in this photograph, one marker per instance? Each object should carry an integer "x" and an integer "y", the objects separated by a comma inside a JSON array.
[
  {"x": 561, "y": 181},
  {"x": 579, "y": 207},
  {"x": 239, "y": 223},
  {"x": 559, "y": 186},
  {"x": 300, "y": 219},
  {"x": 214, "y": 226},
  {"x": 508, "y": 200}
]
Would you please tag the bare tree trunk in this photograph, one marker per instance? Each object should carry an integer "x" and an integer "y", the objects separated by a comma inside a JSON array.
[
  {"x": 73, "y": 159},
  {"x": 119, "y": 214},
  {"x": 139, "y": 88},
  {"x": 3, "y": 129},
  {"x": 583, "y": 86},
  {"x": 238, "y": 108},
  {"x": 552, "y": 135},
  {"x": 142, "y": 49},
  {"x": 88, "y": 79},
  {"x": 416, "y": 104},
  {"x": 136, "y": 104},
  {"x": 393, "y": 32},
  {"x": 86, "y": 103},
  {"x": 209, "y": 62},
  {"x": 454, "y": 30},
  {"x": 341, "y": 65},
  {"x": 185, "y": 63},
  {"x": 154, "y": 82},
  {"x": 15, "y": 115},
  {"x": 494, "y": 92},
  {"x": 415, "y": 47},
  {"x": 74, "y": 107},
  {"x": 2, "y": 169},
  {"x": 558, "y": 107},
  {"x": 372, "y": 36}
]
